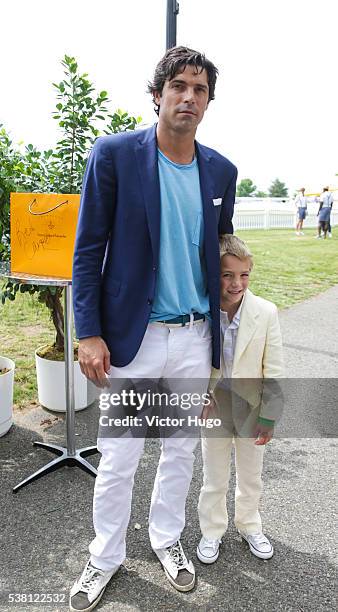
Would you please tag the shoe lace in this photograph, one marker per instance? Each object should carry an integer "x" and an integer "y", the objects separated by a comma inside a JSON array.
[
  {"x": 90, "y": 578},
  {"x": 260, "y": 538},
  {"x": 177, "y": 555},
  {"x": 213, "y": 544}
]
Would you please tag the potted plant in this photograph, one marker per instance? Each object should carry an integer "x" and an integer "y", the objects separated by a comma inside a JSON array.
[
  {"x": 7, "y": 367},
  {"x": 78, "y": 111},
  {"x": 50, "y": 364}
]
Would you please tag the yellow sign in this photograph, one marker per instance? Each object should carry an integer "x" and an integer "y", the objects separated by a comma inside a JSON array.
[
  {"x": 320, "y": 192},
  {"x": 43, "y": 230}
]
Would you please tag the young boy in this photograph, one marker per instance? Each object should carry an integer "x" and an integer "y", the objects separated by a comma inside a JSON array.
[{"x": 246, "y": 395}]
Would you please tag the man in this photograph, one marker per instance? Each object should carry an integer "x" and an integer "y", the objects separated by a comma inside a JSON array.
[
  {"x": 146, "y": 286},
  {"x": 324, "y": 213},
  {"x": 301, "y": 205}
]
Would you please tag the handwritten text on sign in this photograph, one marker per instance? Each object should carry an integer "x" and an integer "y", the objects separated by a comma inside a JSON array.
[{"x": 43, "y": 230}]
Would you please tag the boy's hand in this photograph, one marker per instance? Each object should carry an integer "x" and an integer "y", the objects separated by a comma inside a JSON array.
[
  {"x": 263, "y": 434},
  {"x": 209, "y": 409}
]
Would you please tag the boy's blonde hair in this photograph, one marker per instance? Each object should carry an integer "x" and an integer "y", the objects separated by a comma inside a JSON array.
[{"x": 232, "y": 245}]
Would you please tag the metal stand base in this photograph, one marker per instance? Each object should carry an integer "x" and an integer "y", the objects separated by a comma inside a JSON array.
[
  {"x": 64, "y": 458},
  {"x": 69, "y": 455}
]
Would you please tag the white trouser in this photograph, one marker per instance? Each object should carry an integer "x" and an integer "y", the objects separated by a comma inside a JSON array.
[
  {"x": 212, "y": 508},
  {"x": 170, "y": 353}
]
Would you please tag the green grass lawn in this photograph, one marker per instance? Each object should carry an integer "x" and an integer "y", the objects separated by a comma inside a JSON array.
[
  {"x": 287, "y": 270},
  {"x": 24, "y": 326}
]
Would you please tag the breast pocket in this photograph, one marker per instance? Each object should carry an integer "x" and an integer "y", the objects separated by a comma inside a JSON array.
[
  {"x": 198, "y": 231},
  {"x": 217, "y": 210}
]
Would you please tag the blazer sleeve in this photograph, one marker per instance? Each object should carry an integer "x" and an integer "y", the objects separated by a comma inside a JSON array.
[
  {"x": 225, "y": 222},
  {"x": 93, "y": 229},
  {"x": 273, "y": 370}
]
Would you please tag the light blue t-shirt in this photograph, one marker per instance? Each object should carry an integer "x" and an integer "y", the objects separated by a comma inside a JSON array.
[{"x": 181, "y": 282}]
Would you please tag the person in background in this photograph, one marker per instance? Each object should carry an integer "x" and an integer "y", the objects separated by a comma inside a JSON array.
[
  {"x": 329, "y": 229},
  {"x": 324, "y": 213},
  {"x": 301, "y": 204}
]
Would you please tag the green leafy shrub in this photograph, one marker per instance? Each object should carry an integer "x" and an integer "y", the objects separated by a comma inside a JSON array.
[{"x": 80, "y": 112}]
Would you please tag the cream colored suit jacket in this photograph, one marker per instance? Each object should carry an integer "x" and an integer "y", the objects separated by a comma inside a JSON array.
[{"x": 258, "y": 358}]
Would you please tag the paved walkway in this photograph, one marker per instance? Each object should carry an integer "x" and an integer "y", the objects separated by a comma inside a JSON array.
[{"x": 46, "y": 527}]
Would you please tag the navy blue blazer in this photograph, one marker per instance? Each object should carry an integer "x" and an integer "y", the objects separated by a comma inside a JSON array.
[{"x": 117, "y": 242}]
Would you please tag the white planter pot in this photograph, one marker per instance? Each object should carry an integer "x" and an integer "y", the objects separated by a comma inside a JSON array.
[
  {"x": 6, "y": 395},
  {"x": 52, "y": 389}
]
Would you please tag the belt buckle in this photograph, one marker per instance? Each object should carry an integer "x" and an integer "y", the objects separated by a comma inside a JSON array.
[{"x": 191, "y": 321}]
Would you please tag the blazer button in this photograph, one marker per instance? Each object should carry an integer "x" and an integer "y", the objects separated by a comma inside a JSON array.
[
  {"x": 154, "y": 268},
  {"x": 150, "y": 301}
]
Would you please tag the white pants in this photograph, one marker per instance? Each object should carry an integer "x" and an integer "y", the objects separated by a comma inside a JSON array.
[
  {"x": 212, "y": 508},
  {"x": 171, "y": 353}
]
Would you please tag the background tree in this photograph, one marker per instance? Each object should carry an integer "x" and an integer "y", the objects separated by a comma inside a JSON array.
[
  {"x": 278, "y": 189},
  {"x": 245, "y": 188},
  {"x": 79, "y": 112},
  {"x": 10, "y": 159},
  {"x": 261, "y": 194}
]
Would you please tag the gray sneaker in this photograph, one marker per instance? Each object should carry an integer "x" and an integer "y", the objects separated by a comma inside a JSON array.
[
  {"x": 208, "y": 550},
  {"x": 179, "y": 571},
  {"x": 86, "y": 592},
  {"x": 259, "y": 545}
]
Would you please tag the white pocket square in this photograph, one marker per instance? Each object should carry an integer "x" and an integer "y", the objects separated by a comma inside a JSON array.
[{"x": 217, "y": 201}]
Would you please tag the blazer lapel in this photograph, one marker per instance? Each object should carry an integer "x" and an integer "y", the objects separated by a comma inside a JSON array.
[
  {"x": 248, "y": 325},
  {"x": 147, "y": 164},
  {"x": 210, "y": 226}
]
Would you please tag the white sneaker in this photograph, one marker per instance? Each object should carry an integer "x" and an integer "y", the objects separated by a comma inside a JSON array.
[
  {"x": 259, "y": 545},
  {"x": 208, "y": 550},
  {"x": 329, "y": 235},
  {"x": 86, "y": 592},
  {"x": 302, "y": 233},
  {"x": 297, "y": 233},
  {"x": 179, "y": 571},
  {"x": 317, "y": 237}
]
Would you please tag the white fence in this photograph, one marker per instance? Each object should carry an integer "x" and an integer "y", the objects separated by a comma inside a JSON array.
[{"x": 269, "y": 213}]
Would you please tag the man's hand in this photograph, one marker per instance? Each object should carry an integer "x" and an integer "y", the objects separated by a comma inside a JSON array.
[
  {"x": 94, "y": 360},
  {"x": 263, "y": 434}
]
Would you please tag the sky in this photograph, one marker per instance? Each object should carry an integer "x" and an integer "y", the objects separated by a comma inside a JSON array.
[{"x": 275, "y": 112}]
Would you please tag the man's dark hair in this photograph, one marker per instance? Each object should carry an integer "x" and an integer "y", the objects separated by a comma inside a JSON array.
[{"x": 174, "y": 62}]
